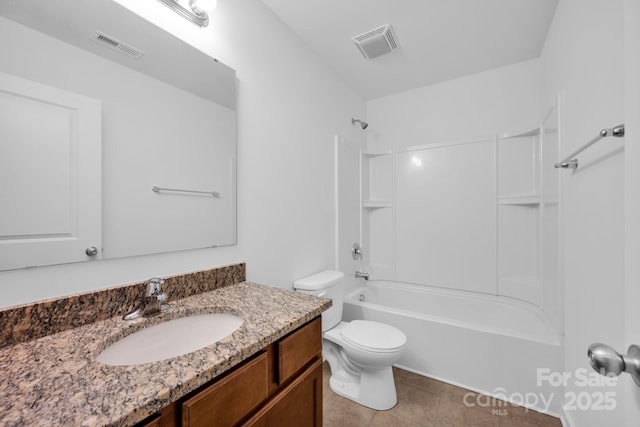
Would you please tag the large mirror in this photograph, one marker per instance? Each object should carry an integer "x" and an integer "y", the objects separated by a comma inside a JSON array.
[{"x": 99, "y": 108}]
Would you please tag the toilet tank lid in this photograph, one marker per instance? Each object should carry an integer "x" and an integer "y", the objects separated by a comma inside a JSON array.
[{"x": 318, "y": 281}]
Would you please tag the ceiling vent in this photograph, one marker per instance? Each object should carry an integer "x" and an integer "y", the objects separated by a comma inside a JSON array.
[
  {"x": 376, "y": 42},
  {"x": 117, "y": 45}
]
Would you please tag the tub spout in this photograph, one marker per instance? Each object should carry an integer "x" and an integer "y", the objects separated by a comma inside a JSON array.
[{"x": 362, "y": 275}]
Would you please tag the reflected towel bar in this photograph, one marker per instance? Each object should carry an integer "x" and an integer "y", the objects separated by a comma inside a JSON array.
[
  {"x": 570, "y": 163},
  {"x": 211, "y": 193}
]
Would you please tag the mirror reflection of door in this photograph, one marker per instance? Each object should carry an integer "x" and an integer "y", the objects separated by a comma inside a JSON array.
[{"x": 50, "y": 175}]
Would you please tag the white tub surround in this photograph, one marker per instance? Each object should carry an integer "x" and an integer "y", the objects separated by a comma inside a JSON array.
[{"x": 493, "y": 345}]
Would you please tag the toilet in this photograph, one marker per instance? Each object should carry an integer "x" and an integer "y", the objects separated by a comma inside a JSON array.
[{"x": 360, "y": 353}]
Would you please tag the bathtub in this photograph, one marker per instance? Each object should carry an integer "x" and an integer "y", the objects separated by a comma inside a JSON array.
[{"x": 492, "y": 345}]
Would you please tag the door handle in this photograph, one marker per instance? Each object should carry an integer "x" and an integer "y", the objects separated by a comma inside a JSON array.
[
  {"x": 91, "y": 251},
  {"x": 606, "y": 361}
]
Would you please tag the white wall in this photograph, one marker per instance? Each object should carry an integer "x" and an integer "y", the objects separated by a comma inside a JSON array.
[
  {"x": 632, "y": 191},
  {"x": 505, "y": 99},
  {"x": 289, "y": 107},
  {"x": 582, "y": 58}
]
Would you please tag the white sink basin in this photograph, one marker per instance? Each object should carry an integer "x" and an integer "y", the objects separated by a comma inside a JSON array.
[{"x": 170, "y": 339}]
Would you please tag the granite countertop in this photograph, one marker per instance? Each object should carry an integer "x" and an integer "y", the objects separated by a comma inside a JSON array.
[{"x": 55, "y": 380}]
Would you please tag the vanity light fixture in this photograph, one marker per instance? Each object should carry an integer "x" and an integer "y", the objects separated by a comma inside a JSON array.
[{"x": 194, "y": 13}]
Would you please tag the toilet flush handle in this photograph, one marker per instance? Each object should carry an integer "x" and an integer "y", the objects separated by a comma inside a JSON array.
[{"x": 606, "y": 361}]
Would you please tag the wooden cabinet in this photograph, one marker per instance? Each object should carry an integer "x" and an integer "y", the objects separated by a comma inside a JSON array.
[
  {"x": 299, "y": 404},
  {"x": 153, "y": 421},
  {"x": 279, "y": 386},
  {"x": 230, "y": 399},
  {"x": 297, "y": 349}
]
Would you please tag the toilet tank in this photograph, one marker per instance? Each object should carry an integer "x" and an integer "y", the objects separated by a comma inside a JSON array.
[{"x": 327, "y": 284}]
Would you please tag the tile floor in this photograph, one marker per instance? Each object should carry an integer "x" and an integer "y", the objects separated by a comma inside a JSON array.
[{"x": 429, "y": 403}]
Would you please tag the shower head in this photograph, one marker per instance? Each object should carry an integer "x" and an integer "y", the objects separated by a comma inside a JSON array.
[{"x": 363, "y": 125}]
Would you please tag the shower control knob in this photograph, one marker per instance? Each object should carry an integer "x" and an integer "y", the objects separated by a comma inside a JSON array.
[
  {"x": 356, "y": 251},
  {"x": 606, "y": 361},
  {"x": 92, "y": 251}
]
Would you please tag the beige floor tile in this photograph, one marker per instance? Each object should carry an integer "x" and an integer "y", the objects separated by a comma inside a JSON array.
[
  {"x": 453, "y": 411},
  {"x": 522, "y": 417},
  {"x": 426, "y": 402},
  {"x": 393, "y": 419},
  {"x": 339, "y": 412},
  {"x": 416, "y": 405}
]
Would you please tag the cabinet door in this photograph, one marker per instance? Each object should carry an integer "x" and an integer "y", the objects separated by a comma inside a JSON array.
[
  {"x": 155, "y": 421},
  {"x": 230, "y": 399},
  {"x": 297, "y": 405},
  {"x": 50, "y": 174}
]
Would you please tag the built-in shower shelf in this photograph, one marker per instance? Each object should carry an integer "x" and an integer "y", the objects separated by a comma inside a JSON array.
[
  {"x": 525, "y": 199},
  {"x": 367, "y": 152},
  {"x": 374, "y": 204}
]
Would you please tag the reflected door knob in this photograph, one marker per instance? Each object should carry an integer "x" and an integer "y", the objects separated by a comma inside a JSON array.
[
  {"x": 92, "y": 251},
  {"x": 606, "y": 361}
]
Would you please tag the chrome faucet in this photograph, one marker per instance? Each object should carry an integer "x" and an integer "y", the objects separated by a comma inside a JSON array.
[
  {"x": 152, "y": 303},
  {"x": 362, "y": 275}
]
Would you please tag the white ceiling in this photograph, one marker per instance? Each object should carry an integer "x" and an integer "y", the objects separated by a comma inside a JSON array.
[{"x": 438, "y": 39}]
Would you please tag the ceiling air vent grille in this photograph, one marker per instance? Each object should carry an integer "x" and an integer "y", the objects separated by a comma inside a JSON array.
[
  {"x": 376, "y": 42},
  {"x": 117, "y": 45}
]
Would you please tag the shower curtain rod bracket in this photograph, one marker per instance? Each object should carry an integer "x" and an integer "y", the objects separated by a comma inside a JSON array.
[{"x": 571, "y": 164}]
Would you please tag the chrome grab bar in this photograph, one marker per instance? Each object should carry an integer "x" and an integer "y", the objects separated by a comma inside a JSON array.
[
  {"x": 570, "y": 163},
  {"x": 211, "y": 193}
]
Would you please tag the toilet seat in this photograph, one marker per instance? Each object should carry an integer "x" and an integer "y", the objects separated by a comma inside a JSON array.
[
  {"x": 360, "y": 353},
  {"x": 373, "y": 336}
]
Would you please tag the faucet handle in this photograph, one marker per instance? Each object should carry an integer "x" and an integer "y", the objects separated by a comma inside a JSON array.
[
  {"x": 154, "y": 287},
  {"x": 162, "y": 297}
]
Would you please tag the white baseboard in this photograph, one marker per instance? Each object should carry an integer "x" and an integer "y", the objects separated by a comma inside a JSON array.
[{"x": 565, "y": 418}]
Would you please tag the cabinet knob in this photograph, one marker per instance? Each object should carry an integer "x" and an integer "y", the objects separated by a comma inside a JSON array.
[{"x": 91, "y": 251}]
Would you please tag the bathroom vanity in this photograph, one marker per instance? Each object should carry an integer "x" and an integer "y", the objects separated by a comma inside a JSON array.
[
  {"x": 267, "y": 372},
  {"x": 281, "y": 385}
]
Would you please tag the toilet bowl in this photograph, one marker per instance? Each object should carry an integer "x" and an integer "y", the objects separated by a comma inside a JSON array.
[{"x": 360, "y": 353}]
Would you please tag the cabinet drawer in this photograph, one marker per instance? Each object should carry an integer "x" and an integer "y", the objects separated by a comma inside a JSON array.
[
  {"x": 296, "y": 350},
  {"x": 230, "y": 399}
]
